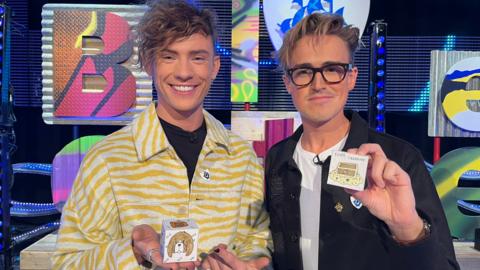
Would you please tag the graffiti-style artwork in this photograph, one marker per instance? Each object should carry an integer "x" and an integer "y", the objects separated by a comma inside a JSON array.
[{"x": 245, "y": 29}]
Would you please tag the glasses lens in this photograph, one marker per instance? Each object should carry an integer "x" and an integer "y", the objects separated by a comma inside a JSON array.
[
  {"x": 334, "y": 73},
  {"x": 302, "y": 76}
]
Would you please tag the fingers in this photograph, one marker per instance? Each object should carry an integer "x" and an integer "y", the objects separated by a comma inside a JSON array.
[
  {"x": 206, "y": 264},
  {"x": 376, "y": 170},
  {"x": 376, "y": 164},
  {"x": 186, "y": 265},
  {"x": 226, "y": 257},
  {"x": 395, "y": 175},
  {"x": 213, "y": 263},
  {"x": 145, "y": 241},
  {"x": 261, "y": 263}
]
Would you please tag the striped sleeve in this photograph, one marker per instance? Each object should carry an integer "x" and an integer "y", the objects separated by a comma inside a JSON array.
[
  {"x": 253, "y": 238},
  {"x": 90, "y": 235}
]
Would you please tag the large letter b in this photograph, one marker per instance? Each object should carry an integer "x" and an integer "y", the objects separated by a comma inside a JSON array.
[{"x": 88, "y": 49}]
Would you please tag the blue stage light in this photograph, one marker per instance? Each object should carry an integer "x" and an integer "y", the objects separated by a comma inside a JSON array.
[
  {"x": 380, "y": 62},
  {"x": 380, "y": 84},
  {"x": 380, "y": 73},
  {"x": 2, "y": 10},
  {"x": 380, "y": 117},
  {"x": 381, "y": 50},
  {"x": 380, "y": 39},
  {"x": 379, "y": 129},
  {"x": 380, "y": 106},
  {"x": 380, "y": 95}
]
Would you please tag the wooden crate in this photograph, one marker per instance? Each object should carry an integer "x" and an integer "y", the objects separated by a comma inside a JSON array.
[{"x": 37, "y": 255}]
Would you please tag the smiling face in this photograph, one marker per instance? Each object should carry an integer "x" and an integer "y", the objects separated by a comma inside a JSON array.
[
  {"x": 183, "y": 73},
  {"x": 320, "y": 102}
]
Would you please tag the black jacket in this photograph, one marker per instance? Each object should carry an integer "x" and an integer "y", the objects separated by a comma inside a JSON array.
[{"x": 353, "y": 238}]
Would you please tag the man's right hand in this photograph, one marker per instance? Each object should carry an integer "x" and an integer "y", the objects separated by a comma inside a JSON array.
[{"x": 144, "y": 240}]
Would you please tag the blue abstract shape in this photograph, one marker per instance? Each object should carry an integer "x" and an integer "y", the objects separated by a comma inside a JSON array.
[
  {"x": 285, "y": 25},
  {"x": 340, "y": 11},
  {"x": 461, "y": 73},
  {"x": 298, "y": 16},
  {"x": 298, "y": 2},
  {"x": 313, "y": 5}
]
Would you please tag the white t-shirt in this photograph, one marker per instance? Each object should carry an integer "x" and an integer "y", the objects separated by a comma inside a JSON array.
[{"x": 310, "y": 200}]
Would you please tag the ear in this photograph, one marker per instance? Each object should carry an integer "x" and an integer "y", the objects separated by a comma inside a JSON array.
[
  {"x": 288, "y": 84},
  {"x": 352, "y": 78},
  {"x": 216, "y": 66}
]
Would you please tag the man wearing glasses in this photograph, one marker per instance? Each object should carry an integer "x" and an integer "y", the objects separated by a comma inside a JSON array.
[{"x": 397, "y": 222}]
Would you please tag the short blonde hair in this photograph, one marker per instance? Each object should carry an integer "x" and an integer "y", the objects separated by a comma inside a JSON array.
[{"x": 318, "y": 24}]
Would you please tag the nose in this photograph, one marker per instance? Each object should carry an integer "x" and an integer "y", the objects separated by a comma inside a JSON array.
[
  {"x": 318, "y": 82},
  {"x": 183, "y": 70}
]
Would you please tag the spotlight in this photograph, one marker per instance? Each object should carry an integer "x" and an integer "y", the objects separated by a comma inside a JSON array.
[{"x": 380, "y": 95}]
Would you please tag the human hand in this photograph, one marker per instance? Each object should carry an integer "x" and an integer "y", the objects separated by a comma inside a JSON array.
[
  {"x": 222, "y": 259},
  {"x": 389, "y": 194},
  {"x": 146, "y": 247}
]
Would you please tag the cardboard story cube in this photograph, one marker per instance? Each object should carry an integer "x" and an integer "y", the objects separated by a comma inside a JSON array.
[{"x": 179, "y": 240}]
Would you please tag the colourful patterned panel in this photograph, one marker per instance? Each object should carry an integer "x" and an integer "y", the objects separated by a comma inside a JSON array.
[
  {"x": 245, "y": 29},
  {"x": 65, "y": 166}
]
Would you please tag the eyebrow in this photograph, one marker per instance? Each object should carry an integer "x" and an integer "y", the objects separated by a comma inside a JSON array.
[
  {"x": 194, "y": 52},
  {"x": 308, "y": 65}
]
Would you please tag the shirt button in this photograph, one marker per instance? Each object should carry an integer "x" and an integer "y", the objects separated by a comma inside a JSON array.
[{"x": 292, "y": 196}]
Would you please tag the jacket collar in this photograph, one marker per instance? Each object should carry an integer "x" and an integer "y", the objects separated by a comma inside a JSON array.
[
  {"x": 357, "y": 135},
  {"x": 149, "y": 137}
]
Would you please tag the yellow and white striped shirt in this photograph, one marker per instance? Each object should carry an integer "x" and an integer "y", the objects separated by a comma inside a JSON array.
[{"x": 134, "y": 177}]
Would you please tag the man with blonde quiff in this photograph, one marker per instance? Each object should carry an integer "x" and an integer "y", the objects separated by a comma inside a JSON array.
[{"x": 397, "y": 222}]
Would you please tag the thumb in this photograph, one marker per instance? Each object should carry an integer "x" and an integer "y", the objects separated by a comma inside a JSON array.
[{"x": 261, "y": 263}]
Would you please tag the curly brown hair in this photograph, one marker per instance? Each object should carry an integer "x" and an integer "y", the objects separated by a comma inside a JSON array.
[
  {"x": 166, "y": 21},
  {"x": 318, "y": 24}
]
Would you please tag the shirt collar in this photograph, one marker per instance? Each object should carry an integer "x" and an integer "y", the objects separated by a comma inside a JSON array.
[{"x": 150, "y": 139}]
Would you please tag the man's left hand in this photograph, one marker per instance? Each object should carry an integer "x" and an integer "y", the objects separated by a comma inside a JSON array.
[{"x": 222, "y": 259}]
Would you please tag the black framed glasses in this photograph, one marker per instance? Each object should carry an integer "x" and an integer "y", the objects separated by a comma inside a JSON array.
[{"x": 331, "y": 73}]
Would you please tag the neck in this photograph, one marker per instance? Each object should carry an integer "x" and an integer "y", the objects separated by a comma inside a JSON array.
[
  {"x": 318, "y": 137},
  {"x": 187, "y": 120}
]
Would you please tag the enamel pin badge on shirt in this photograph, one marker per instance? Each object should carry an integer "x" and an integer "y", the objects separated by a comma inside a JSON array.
[
  {"x": 347, "y": 170},
  {"x": 206, "y": 175}
]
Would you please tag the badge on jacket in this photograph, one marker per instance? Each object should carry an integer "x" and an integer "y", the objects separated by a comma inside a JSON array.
[{"x": 356, "y": 203}]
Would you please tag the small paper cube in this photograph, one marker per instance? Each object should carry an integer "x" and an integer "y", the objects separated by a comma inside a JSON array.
[
  {"x": 347, "y": 170},
  {"x": 179, "y": 240}
]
